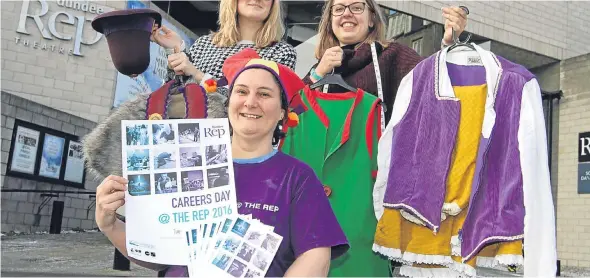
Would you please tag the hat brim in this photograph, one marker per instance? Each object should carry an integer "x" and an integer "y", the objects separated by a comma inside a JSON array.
[{"x": 97, "y": 21}]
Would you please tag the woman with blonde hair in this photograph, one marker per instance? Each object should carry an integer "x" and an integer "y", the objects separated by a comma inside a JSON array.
[{"x": 243, "y": 24}]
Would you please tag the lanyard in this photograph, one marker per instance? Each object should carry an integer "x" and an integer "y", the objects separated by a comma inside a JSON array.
[{"x": 379, "y": 86}]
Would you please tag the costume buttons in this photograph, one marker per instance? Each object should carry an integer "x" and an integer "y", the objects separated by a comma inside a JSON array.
[{"x": 327, "y": 190}]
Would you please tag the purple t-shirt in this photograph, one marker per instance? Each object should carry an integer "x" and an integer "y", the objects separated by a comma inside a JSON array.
[{"x": 285, "y": 193}]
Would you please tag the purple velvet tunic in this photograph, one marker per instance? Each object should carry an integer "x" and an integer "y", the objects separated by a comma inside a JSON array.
[{"x": 422, "y": 149}]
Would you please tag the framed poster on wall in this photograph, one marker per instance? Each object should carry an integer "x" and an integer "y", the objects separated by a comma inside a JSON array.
[
  {"x": 74, "y": 163},
  {"x": 25, "y": 150},
  {"x": 47, "y": 155},
  {"x": 52, "y": 156}
]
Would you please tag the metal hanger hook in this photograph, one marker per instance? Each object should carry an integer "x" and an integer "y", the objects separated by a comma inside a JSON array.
[{"x": 456, "y": 38}]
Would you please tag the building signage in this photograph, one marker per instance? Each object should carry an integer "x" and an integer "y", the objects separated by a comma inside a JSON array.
[
  {"x": 584, "y": 147},
  {"x": 584, "y": 163},
  {"x": 48, "y": 22}
]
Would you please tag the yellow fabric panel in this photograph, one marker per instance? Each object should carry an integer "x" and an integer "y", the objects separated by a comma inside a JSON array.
[
  {"x": 388, "y": 232},
  {"x": 510, "y": 248},
  {"x": 460, "y": 176},
  {"x": 394, "y": 232}
]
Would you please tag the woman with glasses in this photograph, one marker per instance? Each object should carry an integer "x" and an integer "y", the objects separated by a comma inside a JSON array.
[
  {"x": 347, "y": 30},
  {"x": 351, "y": 36}
]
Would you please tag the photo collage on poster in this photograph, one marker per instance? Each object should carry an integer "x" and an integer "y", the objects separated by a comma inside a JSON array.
[
  {"x": 170, "y": 157},
  {"x": 237, "y": 247},
  {"x": 245, "y": 248}
]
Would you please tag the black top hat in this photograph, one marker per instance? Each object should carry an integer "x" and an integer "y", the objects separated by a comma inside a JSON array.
[{"x": 128, "y": 35}]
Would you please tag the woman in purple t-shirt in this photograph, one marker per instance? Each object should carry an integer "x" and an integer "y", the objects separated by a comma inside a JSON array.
[{"x": 275, "y": 188}]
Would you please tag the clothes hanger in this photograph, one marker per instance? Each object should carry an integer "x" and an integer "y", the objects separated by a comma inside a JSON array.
[
  {"x": 333, "y": 79},
  {"x": 458, "y": 43}
]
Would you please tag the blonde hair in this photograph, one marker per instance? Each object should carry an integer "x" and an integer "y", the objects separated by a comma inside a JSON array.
[
  {"x": 328, "y": 38},
  {"x": 228, "y": 35}
]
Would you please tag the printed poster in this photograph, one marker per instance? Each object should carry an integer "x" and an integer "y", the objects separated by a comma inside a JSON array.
[
  {"x": 155, "y": 75},
  {"x": 25, "y": 150},
  {"x": 180, "y": 176},
  {"x": 245, "y": 250},
  {"x": 74, "y": 163},
  {"x": 51, "y": 158}
]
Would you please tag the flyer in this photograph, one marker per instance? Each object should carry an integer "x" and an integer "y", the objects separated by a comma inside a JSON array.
[
  {"x": 236, "y": 247},
  {"x": 250, "y": 247},
  {"x": 181, "y": 177}
]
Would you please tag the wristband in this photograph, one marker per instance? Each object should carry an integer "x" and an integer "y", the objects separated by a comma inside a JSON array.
[
  {"x": 314, "y": 74},
  {"x": 170, "y": 51}
]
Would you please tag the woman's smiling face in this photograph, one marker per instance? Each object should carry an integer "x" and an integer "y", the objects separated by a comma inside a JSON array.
[
  {"x": 351, "y": 20},
  {"x": 254, "y": 107}
]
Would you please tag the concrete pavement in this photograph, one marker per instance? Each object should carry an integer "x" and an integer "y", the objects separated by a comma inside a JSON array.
[
  {"x": 90, "y": 254},
  {"x": 69, "y": 254}
]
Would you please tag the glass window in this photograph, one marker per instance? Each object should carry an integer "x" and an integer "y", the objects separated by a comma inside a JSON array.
[{"x": 417, "y": 45}]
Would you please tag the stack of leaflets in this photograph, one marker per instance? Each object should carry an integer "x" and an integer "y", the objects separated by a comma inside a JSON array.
[{"x": 236, "y": 247}]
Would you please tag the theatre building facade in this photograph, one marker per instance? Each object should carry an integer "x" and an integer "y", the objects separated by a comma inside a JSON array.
[{"x": 58, "y": 82}]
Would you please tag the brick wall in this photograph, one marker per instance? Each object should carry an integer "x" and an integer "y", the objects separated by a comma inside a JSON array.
[
  {"x": 81, "y": 86},
  {"x": 19, "y": 208},
  {"x": 556, "y": 29},
  {"x": 573, "y": 209},
  {"x": 431, "y": 37}
]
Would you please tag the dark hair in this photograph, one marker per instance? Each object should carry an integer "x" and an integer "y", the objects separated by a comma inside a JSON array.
[{"x": 278, "y": 133}]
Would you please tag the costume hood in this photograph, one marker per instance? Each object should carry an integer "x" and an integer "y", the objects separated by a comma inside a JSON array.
[{"x": 102, "y": 146}]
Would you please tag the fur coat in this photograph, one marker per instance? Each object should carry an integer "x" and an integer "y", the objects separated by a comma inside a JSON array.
[{"x": 102, "y": 146}]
